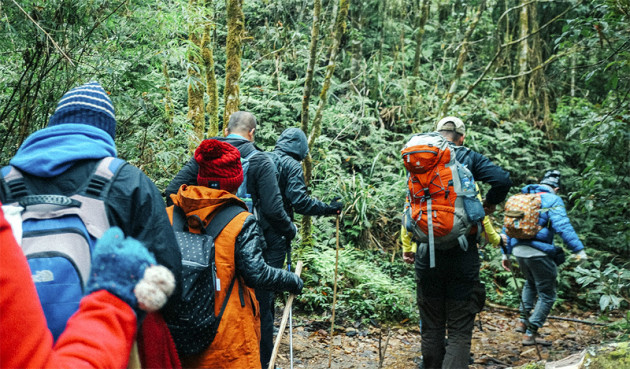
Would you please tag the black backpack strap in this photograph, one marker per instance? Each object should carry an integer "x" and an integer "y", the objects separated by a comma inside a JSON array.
[
  {"x": 225, "y": 301},
  {"x": 179, "y": 218},
  {"x": 223, "y": 217}
]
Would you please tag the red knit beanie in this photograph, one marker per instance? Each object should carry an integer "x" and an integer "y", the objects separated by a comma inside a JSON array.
[{"x": 219, "y": 165}]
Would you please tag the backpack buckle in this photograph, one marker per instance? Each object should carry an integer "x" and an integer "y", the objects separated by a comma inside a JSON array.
[{"x": 427, "y": 193}]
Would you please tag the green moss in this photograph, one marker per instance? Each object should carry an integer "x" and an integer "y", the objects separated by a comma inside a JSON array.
[{"x": 615, "y": 356}]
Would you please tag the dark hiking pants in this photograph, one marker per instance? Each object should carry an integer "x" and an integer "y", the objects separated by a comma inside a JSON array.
[
  {"x": 449, "y": 297},
  {"x": 274, "y": 255},
  {"x": 439, "y": 317},
  {"x": 539, "y": 290}
]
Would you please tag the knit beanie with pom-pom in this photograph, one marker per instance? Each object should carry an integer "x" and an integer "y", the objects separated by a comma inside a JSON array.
[{"x": 219, "y": 165}]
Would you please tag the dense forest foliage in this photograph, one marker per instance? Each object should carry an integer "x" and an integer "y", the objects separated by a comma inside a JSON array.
[{"x": 540, "y": 85}]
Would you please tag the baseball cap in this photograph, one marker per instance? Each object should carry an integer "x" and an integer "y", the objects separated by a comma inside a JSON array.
[{"x": 451, "y": 124}]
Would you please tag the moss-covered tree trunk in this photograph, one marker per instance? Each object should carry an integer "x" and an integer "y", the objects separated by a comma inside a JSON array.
[
  {"x": 422, "y": 14},
  {"x": 211, "y": 80},
  {"x": 310, "y": 69},
  {"x": 339, "y": 29},
  {"x": 168, "y": 100},
  {"x": 356, "y": 16},
  {"x": 236, "y": 25},
  {"x": 523, "y": 50},
  {"x": 463, "y": 54},
  {"x": 537, "y": 91},
  {"x": 196, "y": 111}
]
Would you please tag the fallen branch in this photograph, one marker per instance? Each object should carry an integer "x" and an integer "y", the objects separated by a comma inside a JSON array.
[{"x": 589, "y": 322}]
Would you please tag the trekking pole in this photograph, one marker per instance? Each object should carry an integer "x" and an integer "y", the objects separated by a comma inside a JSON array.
[
  {"x": 332, "y": 320},
  {"x": 285, "y": 317},
  {"x": 290, "y": 311}
]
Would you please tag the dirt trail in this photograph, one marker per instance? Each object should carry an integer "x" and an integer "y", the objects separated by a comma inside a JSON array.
[{"x": 496, "y": 345}]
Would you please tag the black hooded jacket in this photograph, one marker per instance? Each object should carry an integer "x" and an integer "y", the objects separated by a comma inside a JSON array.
[
  {"x": 261, "y": 184},
  {"x": 291, "y": 148}
]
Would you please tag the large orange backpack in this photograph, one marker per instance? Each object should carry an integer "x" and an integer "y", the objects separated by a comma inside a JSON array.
[{"x": 442, "y": 207}]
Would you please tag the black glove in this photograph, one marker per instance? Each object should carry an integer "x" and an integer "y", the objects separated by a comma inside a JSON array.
[
  {"x": 335, "y": 206},
  {"x": 298, "y": 289},
  {"x": 292, "y": 232}
]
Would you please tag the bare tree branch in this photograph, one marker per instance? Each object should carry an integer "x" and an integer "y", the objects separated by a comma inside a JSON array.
[
  {"x": 46, "y": 33},
  {"x": 502, "y": 46}
]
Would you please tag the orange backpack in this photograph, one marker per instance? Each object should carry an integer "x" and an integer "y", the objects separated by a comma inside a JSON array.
[
  {"x": 442, "y": 207},
  {"x": 520, "y": 215}
]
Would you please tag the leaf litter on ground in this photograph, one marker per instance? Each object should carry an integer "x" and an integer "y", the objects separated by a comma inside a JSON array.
[{"x": 495, "y": 344}]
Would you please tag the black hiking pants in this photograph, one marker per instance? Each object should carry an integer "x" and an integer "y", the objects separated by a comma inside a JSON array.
[
  {"x": 274, "y": 255},
  {"x": 449, "y": 297}
]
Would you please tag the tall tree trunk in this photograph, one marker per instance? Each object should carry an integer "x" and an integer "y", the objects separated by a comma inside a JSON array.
[
  {"x": 573, "y": 65},
  {"x": 340, "y": 28},
  {"x": 463, "y": 53},
  {"x": 310, "y": 69},
  {"x": 375, "y": 89},
  {"x": 211, "y": 80},
  {"x": 168, "y": 100},
  {"x": 195, "y": 87},
  {"x": 537, "y": 90},
  {"x": 236, "y": 24},
  {"x": 356, "y": 17},
  {"x": 422, "y": 14},
  {"x": 523, "y": 51}
]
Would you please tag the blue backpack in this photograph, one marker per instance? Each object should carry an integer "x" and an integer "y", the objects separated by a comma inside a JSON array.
[
  {"x": 242, "y": 190},
  {"x": 59, "y": 234}
]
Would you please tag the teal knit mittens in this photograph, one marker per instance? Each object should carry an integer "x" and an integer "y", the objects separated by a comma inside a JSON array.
[{"x": 125, "y": 268}]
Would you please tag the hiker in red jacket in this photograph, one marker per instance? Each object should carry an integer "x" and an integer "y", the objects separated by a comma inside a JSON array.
[{"x": 99, "y": 335}]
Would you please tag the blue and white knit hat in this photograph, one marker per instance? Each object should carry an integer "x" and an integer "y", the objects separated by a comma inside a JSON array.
[
  {"x": 87, "y": 104},
  {"x": 551, "y": 178}
]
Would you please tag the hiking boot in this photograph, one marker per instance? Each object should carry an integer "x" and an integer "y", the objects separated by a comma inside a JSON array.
[
  {"x": 521, "y": 327},
  {"x": 533, "y": 339}
]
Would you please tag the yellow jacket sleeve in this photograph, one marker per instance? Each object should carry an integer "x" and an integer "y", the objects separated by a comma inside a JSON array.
[
  {"x": 489, "y": 232},
  {"x": 405, "y": 238}
]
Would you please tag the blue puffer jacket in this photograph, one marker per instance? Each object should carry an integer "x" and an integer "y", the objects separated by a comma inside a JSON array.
[{"x": 555, "y": 216}]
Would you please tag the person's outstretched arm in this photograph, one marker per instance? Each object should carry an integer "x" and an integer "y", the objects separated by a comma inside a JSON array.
[
  {"x": 99, "y": 335},
  {"x": 251, "y": 265},
  {"x": 297, "y": 193}
]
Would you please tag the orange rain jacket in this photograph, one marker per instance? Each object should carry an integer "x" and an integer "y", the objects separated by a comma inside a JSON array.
[{"x": 238, "y": 253}]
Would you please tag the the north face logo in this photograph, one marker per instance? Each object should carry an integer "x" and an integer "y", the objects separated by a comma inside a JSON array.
[{"x": 43, "y": 276}]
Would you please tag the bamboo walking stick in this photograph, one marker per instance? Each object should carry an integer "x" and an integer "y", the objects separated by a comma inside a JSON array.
[
  {"x": 283, "y": 323},
  {"x": 332, "y": 319}
]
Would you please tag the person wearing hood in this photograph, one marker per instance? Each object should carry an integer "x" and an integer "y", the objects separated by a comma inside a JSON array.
[
  {"x": 56, "y": 160},
  {"x": 291, "y": 148},
  {"x": 238, "y": 254},
  {"x": 534, "y": 257}
]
